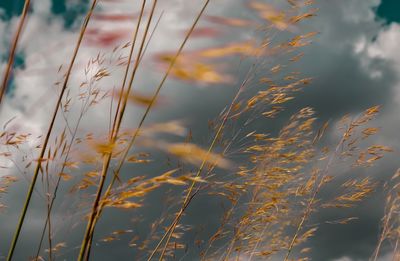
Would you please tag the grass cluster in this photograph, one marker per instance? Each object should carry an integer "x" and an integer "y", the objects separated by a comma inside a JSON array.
[{"x": 270, "y": 182}]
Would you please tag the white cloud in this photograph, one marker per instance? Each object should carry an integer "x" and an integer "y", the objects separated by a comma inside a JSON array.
[
  {"x": 386, "y": 44},
  {"x": 386, "y": 47}
]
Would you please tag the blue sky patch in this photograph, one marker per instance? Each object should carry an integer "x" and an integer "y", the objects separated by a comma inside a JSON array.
[
  {"x": 69, "y": 12},
  {"x": 10, "y": 8},
  {"x": 389, "y": 10}
]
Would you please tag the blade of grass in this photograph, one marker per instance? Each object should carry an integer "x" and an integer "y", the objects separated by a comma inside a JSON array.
[
  {"x": 13, "y": 49},
  {"x": 48, "y": 134}
]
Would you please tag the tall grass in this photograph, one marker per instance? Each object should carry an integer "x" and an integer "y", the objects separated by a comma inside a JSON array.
[
  {"x": 270, "y": 181},
  {"x": 48, "y": 134}
]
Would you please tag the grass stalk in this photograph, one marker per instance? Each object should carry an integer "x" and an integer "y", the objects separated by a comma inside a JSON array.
[
  {"x": 167, "y": 235},
  {"x": 126, "y": 151},
  {"x": 54, "y": 195},
  {"x": 13, "y": 49},
  {"x": 312, "y": 199},
  {"x": 134, "y": 38},
  {"x": 113, "y": 129},
  {"x": 117, "y": 171},
  {"x": 48, "y": 134},
  {"x": 107, "y": 156}
]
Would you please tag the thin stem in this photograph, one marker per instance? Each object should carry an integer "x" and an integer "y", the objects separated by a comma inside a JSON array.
[
  {"x": 48, "y": 207},
  {"x": 134, "y": 37},
  {"x": 69, "y": 147},
  {"x": 84, "y": 108},
  {"x": 383, "y": 234},
  {"x": 49, "y": 235},
  {"x": 395, "y": 254},
  {"x": 107, "y": 156},
  {"x": 312, "y": 200},
  {"x": 113, "y": 129},
  {"x": 122, "y": 160},
  {"x": 188, "y": 196},
  {"x": 116, "y": 172},
  {"x": 13, "y": 49},
  {"x": 213, "y": 143},
  {"x": 48, "y": 134},
  {"x": 172, "y": 64}
]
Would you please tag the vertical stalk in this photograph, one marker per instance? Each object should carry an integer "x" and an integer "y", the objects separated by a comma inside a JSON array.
[
  {"x": 107, "y": 156},
  {"x": 312, "y": 199},
  {"x": 167, "y": 235},
  {"x": 113, "y": 129},
  {"x": 13, "y": 49},
  {"x": 48, "y": 134}
]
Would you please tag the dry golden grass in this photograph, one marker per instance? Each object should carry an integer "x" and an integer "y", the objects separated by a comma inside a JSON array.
[{"x": 269, "y": 182}]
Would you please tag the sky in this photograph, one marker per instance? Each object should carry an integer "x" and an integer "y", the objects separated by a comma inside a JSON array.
[{"x": 354, "y": 59}]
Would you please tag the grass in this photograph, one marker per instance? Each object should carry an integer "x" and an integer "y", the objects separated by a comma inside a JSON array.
[
  {"x": 13, "y": 49},
  {"x": 270, "y": 182},
  {"x": 47, "y": 137}
]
